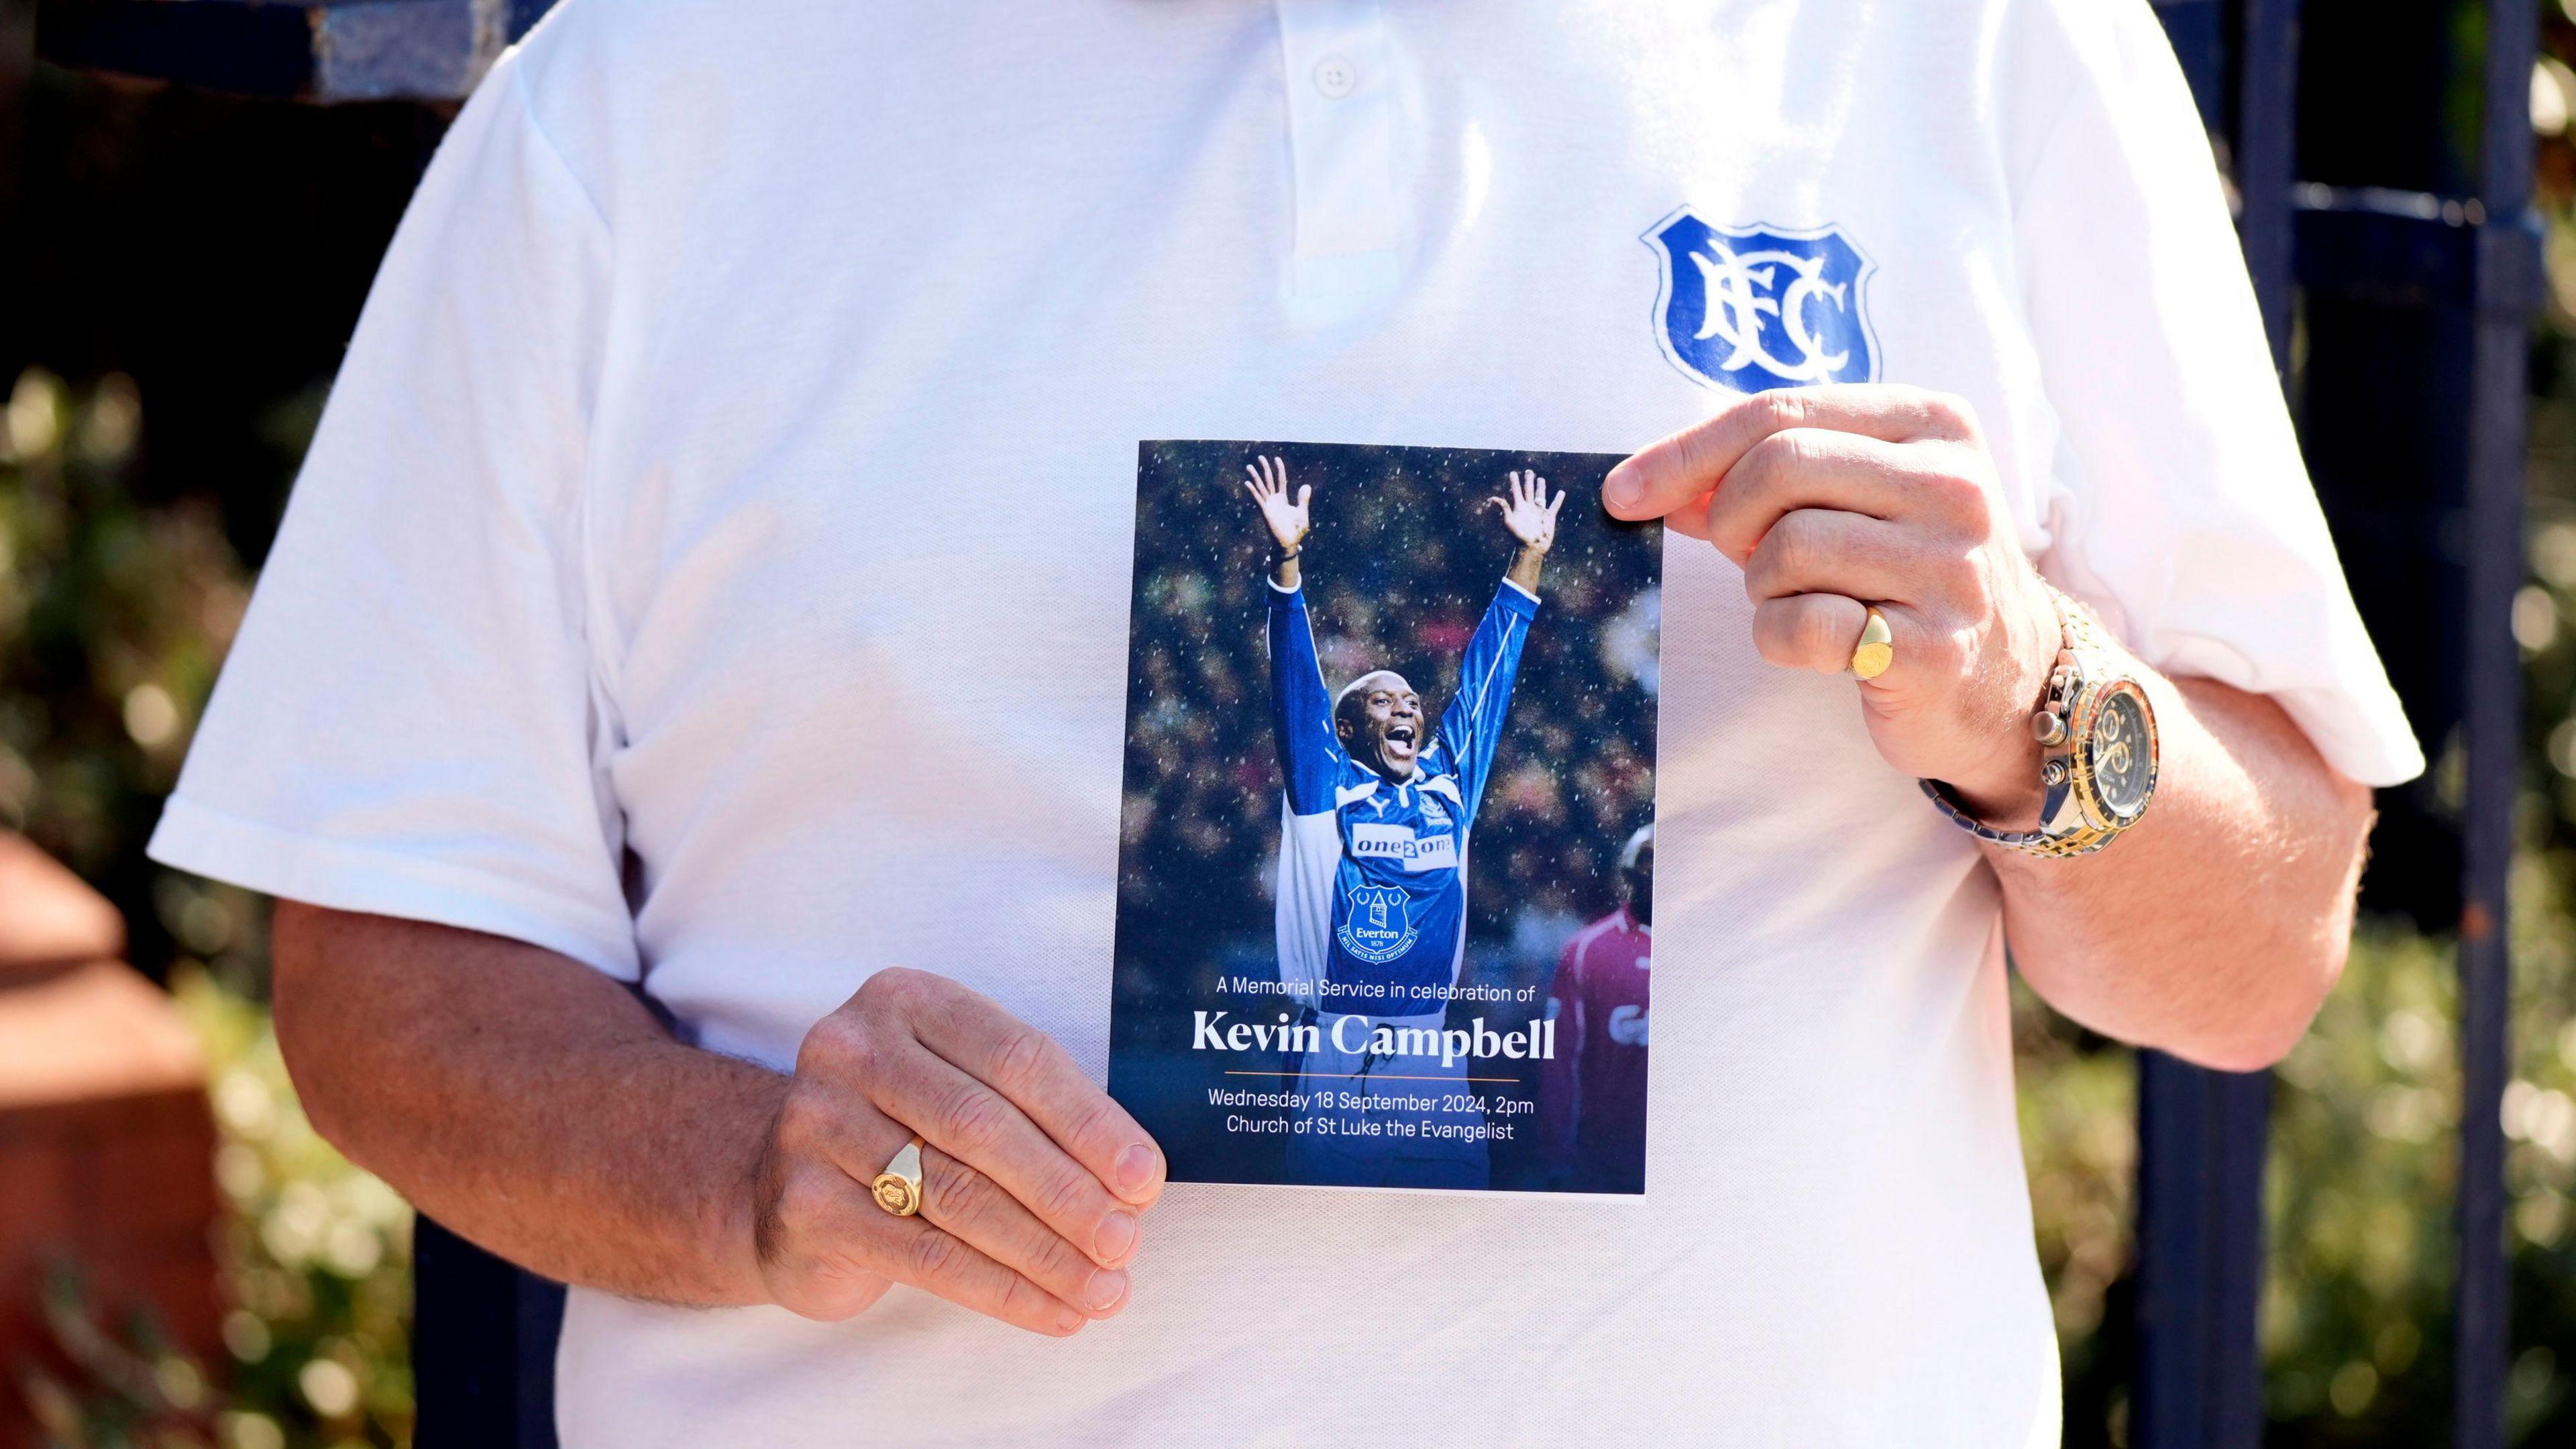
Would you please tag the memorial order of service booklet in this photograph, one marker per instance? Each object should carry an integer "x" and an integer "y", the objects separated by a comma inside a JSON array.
[{"x": 1386, "y": 867}]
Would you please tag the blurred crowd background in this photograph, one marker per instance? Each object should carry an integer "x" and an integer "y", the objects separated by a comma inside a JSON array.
[{"x": 180, "y": 271}]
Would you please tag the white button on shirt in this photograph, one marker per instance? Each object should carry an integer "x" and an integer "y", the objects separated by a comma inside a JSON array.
[
  {"x": 1343, "y": 134},
  {"x": 713, "y": 565}
]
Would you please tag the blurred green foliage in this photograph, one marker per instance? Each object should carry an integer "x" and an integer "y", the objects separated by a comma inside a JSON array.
[
  {"x": 315, "y": 1261},
  {"x": 113, "y": 618},
  {"x": 2356, "y": 1302},
  {"x": 128, "y": 1384},
  {"x": 316, "y": 1254},
  {"x": 114, "y": 613}
]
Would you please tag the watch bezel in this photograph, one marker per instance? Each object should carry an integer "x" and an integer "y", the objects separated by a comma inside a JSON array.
[{"x": 2089, "y": 704}]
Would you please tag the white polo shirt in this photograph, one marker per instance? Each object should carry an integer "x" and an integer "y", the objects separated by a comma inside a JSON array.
[{"x": 713, "y": 565}]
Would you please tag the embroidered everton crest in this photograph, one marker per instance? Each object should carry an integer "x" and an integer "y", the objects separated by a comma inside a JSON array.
[
  {"x": 1379, "y": 927},
  {"x": 1748, "y": 308}
]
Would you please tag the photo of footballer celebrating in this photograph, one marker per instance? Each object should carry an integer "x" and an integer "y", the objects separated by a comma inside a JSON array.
[
  {"x": 1372, "y": 857},
  {"x": 1392, "y": 1029}
]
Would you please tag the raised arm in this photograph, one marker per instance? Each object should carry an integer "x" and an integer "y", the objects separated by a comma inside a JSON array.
[
  {"x": 1472, "y": 724},
  {"x": 534, "y": 1106},
  {"x": 1301, "y": 710}
]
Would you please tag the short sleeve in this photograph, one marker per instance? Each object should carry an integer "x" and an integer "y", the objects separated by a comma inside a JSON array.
[
  {"x": 408, "y": 722},
  {"x": 2180, "y": 506}
]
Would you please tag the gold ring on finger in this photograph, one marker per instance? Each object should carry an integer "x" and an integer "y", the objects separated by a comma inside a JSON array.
[
  {"x": 898, "y": 1188},
  {"x": 1876, "y": 649}
]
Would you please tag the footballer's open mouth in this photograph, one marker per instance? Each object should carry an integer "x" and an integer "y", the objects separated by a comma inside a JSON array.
[{"x": 1400, "y": 734}]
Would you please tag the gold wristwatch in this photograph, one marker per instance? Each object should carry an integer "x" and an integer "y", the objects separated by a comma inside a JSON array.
[{"x": 2098, "y": 735}]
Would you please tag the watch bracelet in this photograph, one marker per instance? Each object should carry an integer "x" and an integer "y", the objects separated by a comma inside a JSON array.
[
  {"x": 2076, "y": 626},
  {"x": 2076, "y": 631},
  {"x": 2028, "y": 842}
]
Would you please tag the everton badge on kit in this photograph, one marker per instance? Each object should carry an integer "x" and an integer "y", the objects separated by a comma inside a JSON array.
[
  {"x": 1378, "y": 927},
  {"x": 1749, "y": 308}
]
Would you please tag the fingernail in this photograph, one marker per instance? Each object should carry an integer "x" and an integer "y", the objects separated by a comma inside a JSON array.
[
  {"x": 1069, "y": 1321},
  {"x": 1135, "y": 1168},
  {"x": 1622, "y": 488},
  {"x": 1117, "y": 1234},
  {"x": 1104, "y": 1290}
]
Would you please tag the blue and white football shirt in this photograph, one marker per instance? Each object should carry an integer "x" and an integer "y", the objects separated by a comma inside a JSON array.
[{"x": 1373, "y": 872}]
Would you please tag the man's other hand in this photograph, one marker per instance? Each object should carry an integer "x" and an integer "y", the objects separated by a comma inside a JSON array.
[
  {"x": 1033, "y": 1180},
  {"x": 1834, "y": 499}
]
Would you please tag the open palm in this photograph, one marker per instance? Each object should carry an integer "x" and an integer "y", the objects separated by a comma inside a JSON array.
[
  {"x": 1528, "y": 513},
  {"x": 1268, "y": 486}
]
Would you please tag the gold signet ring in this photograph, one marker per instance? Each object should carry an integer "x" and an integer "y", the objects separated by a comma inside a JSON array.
[
  {"x": 1876, "y": 650},
  {"x": 898, "y": 1188}
]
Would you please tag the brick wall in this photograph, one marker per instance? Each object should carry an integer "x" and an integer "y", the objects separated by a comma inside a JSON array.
[{"x": 106, "y": 1142}]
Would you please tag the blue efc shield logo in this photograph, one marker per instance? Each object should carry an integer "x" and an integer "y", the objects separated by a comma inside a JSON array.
[
  {"x": 1378, "y": 927},
  {"x": 1752, "y": 308}
]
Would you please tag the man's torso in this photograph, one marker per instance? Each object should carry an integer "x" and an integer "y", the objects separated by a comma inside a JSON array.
[{"x": 897, "y": 292}]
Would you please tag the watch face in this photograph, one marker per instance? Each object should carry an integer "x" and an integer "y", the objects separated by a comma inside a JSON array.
[{"x": 2122, "y": 752}]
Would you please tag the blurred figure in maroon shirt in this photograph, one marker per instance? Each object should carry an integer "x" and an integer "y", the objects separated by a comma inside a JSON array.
[{"x": 1592, "y": 1093}]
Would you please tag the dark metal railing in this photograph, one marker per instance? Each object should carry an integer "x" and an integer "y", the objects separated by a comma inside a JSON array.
[
  {"x": 2506, "y": 290},
  {"x": 2201, "y": 1134}
]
